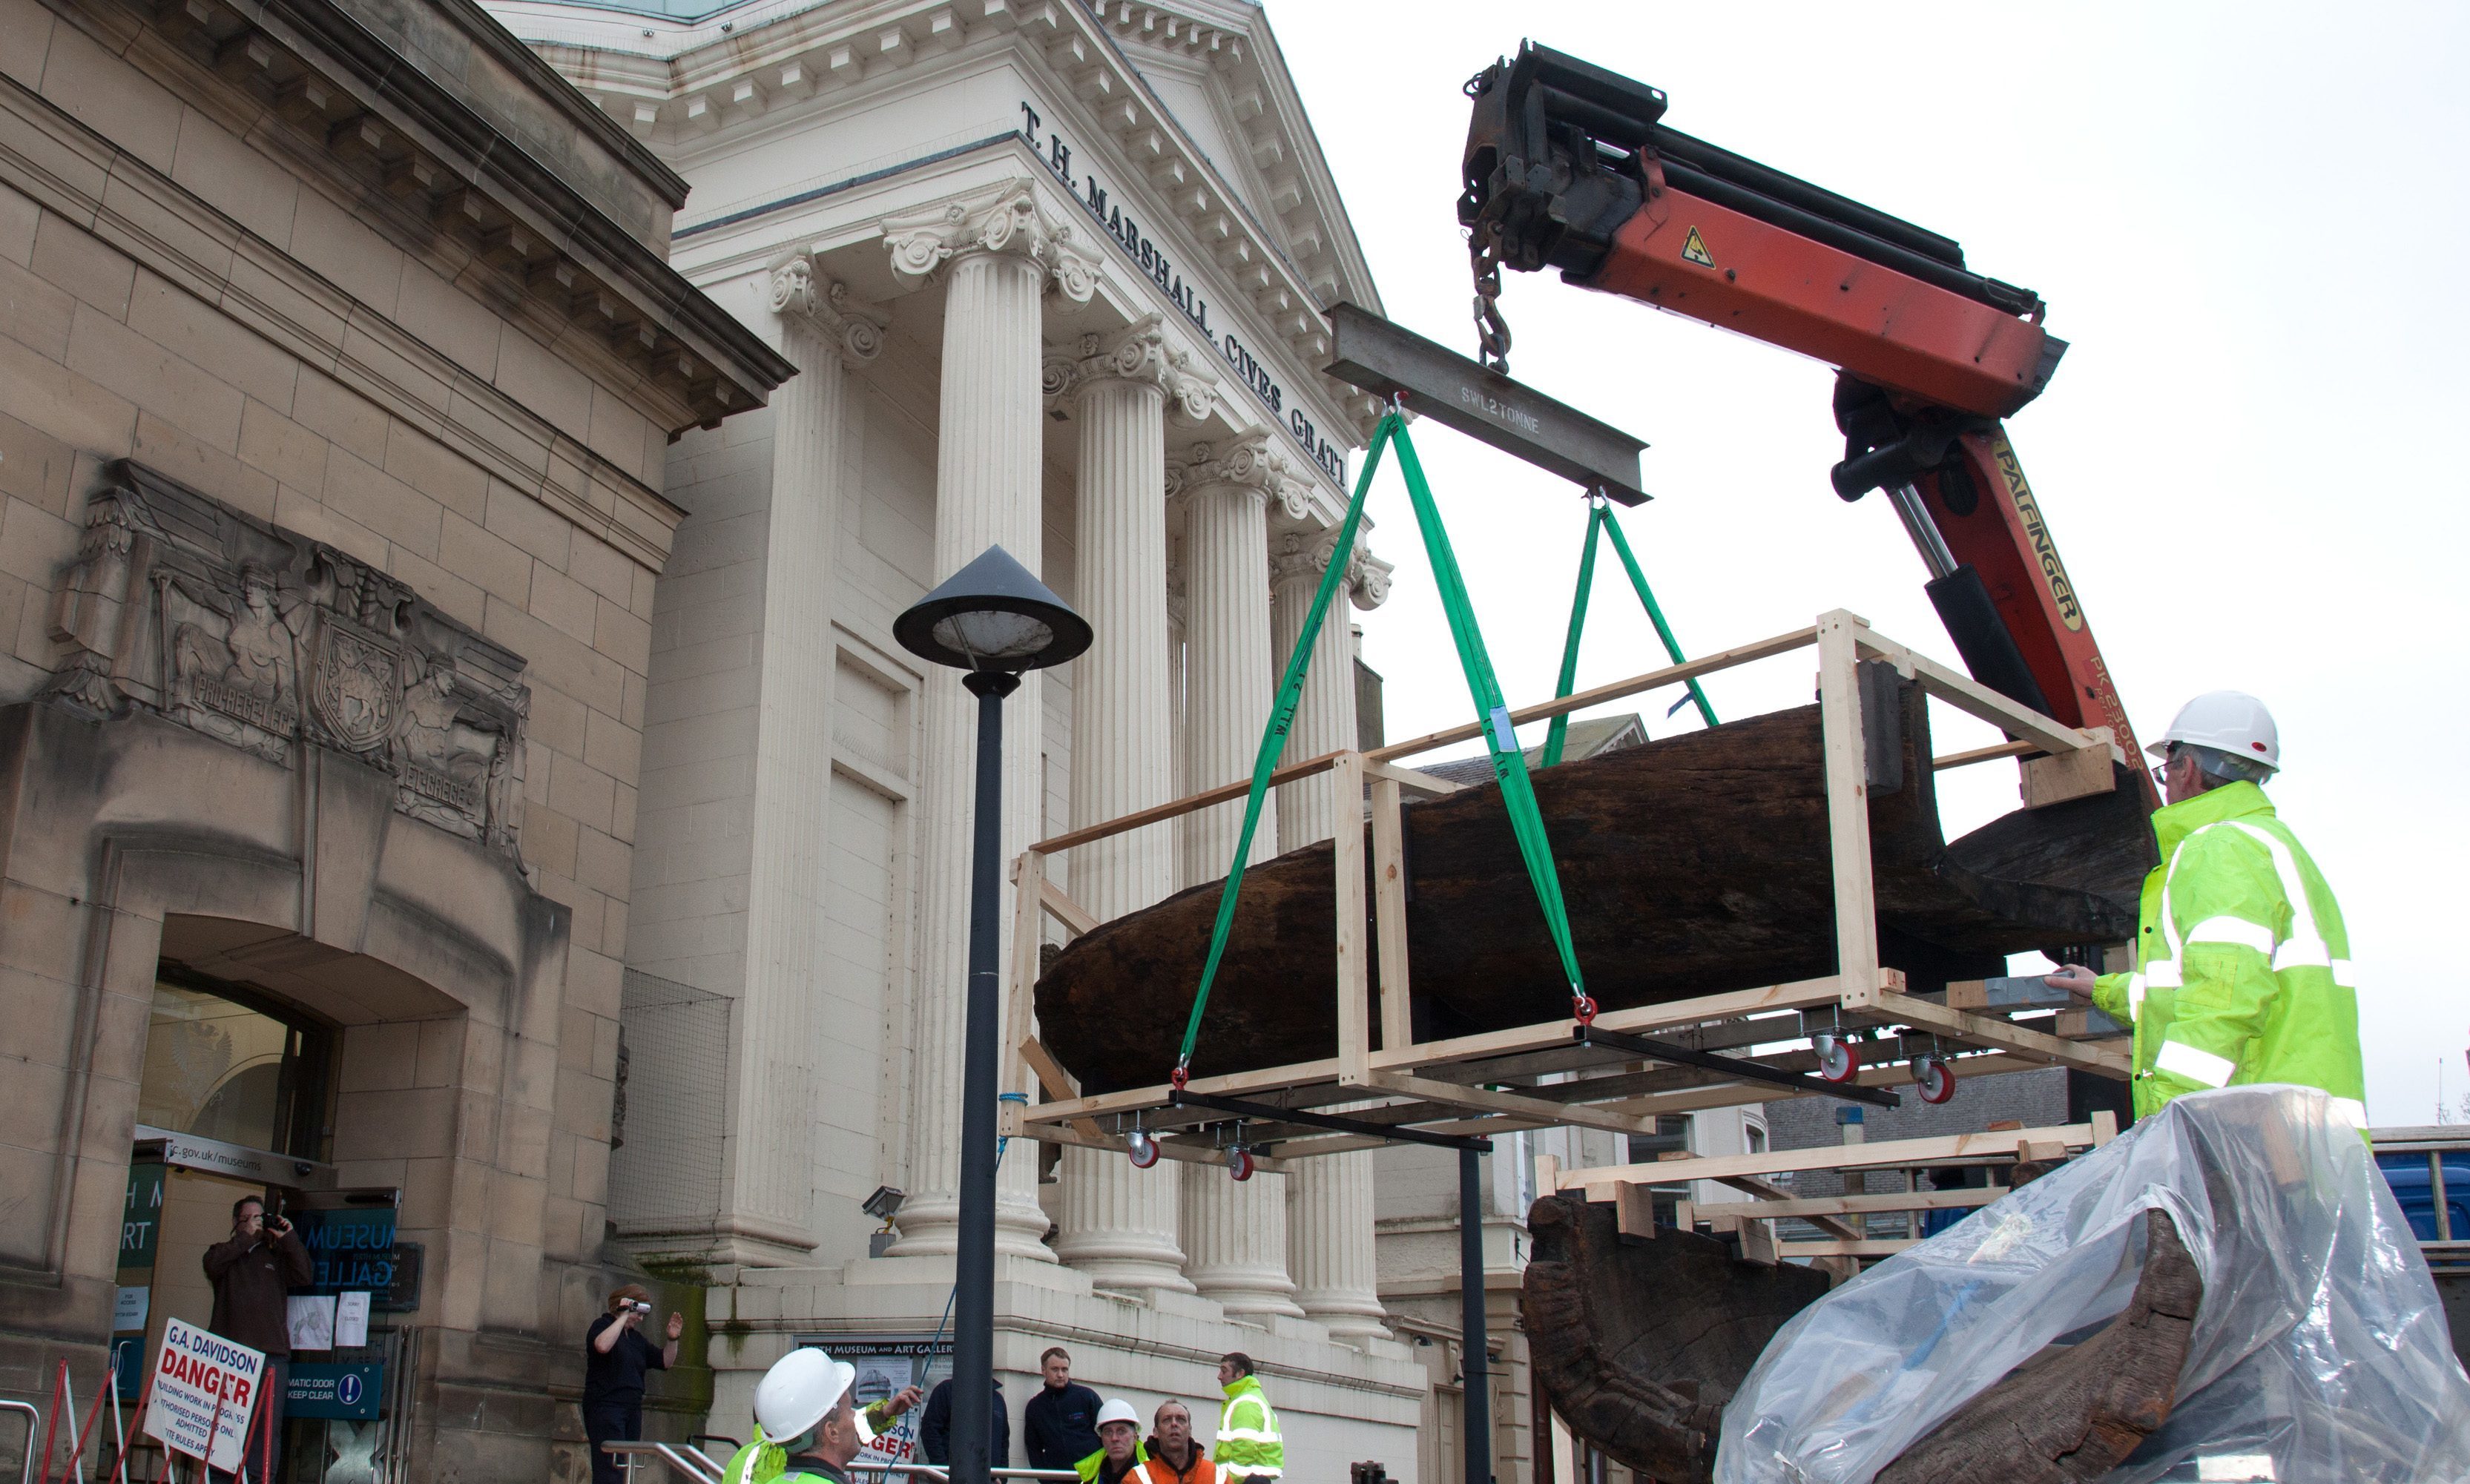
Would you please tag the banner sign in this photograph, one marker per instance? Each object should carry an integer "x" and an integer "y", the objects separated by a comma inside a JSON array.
[
  {"x": 885, "y": 1364},
  {"x": 346, "y": 1392},
  {"x": 196, "y": 1374}
]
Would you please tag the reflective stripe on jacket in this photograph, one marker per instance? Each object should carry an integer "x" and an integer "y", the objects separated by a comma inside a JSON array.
[
  {"x": 2242, "y": 964},
  {"x": 757, "y": 1463},
  {"x": 1248, "y": 1444},
  {"x": 1087, "y": 1468}
]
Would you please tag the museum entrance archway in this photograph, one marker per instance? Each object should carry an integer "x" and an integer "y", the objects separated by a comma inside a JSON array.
[{"x": 236, "y": 1099}]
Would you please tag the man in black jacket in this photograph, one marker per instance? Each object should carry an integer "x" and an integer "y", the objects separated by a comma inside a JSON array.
[
  {"x": 934, "y": 1428},
  {"x": 1060, "y": 1424}
]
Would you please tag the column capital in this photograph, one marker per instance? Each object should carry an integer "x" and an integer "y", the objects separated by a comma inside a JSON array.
[
  {"x": 1004, "y": 218},
  {"x": 1140, "y": 352},
  {"x": 800, "y": 291},
  {"x": 1303, "y": 555},
  {"x": 1252, "y": 465}
]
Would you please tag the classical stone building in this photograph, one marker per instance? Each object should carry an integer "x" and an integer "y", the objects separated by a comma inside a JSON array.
[
  {"x": 339, "y": 358},
  {"x": 1052, "y": 276}
]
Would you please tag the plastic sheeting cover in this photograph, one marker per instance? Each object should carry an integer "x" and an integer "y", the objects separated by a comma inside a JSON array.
[{"x": 2319, "y": 1355}]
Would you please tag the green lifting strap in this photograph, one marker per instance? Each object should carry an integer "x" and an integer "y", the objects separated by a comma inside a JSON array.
[
  {"x": 1600, "y": 519},
  {"x": 1509, "y": 759}
]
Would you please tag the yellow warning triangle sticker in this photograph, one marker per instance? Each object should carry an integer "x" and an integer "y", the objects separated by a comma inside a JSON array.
[{"x": 1694, "y": 251}]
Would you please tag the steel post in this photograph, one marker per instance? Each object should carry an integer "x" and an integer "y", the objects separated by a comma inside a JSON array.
[
  {"x": 973, "y": 1299},
  {"x": 1474, "y": 1366}
]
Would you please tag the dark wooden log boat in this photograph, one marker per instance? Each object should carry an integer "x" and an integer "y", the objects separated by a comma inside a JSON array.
[
  {"x": 1640, "y": 1345},
  {"x": 1691, "y": 866}
]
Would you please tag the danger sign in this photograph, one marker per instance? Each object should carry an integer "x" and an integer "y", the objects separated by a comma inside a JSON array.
[{"x": 203, "y": 1381}]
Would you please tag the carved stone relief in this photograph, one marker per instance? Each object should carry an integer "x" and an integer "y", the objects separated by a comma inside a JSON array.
[{"x": 264, "y": 639}]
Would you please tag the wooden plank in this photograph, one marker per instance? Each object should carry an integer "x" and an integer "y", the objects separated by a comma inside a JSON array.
[
  {"x": 2003, "y": 1035},
  {"x": 1980, "y": 700},
  {"x": 1995, "y": 749},
  {"x": 1759, "y": 1242},
  {"x": 1415, "y": 780},
  {"x": 1135, "y": 1100},
  {"x": 2105, "y": 1126},
  {"x": 2065, "y": 775},
  {"x": 1075, "y": 918},
  {"x": 1390, "y": 906},
  {"x": 1548, "y": 1172},
  {"x": 1834, "y": 1156},
  {"x": 1847, "y": 806},
  {"x": 1354, "y": 970},
  {"x": 1634, "y": 1212},
  {"x": 1848, "y": 1205},
  {"x": 1485, "y": 1099},
  {"x": 1188, "y": 805},
  {"x": 1058, "y": 1084},
  {"x": 1019, "y": 1012},
  {"x": 1638, "y": 1020},
  {"x": 2089, "y": 1024},
  {"x": 1652, "y": 680},
  {"x": 1868, "y": 1247},
  {"x": 1769, "y": 1191},
  {"x": 2006, "y": 994}
]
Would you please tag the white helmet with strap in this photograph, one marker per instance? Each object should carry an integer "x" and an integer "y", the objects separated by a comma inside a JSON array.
[
  {"x": 798, "y": 1391},
  {"x": 1119, "y": 1410},
  {"x": 2231, "y": 722}
]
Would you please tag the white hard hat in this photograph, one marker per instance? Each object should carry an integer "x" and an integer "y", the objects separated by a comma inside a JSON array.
[
  {"x": 2229, "y": 721},
  {"x": 798, "y": 1392},
  {"x": 1118, "y": 1410}
]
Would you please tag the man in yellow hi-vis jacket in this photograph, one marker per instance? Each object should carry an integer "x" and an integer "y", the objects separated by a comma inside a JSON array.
[{"x": 2242, "y": 964}]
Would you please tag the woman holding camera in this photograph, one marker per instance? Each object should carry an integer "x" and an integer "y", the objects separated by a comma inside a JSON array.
[{"x": 615, "y": 1358}]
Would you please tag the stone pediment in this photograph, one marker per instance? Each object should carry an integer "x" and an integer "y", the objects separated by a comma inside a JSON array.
[{"x": 266, "y": 640}]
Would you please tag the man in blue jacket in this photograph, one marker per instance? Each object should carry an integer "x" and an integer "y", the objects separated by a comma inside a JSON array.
[{"x": 1060, "y": 1424}]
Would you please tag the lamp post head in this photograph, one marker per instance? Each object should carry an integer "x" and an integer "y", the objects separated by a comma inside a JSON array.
[{"x": 993, "y": 617}]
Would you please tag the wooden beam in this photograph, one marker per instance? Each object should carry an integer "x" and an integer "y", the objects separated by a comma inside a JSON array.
[
  {"x": 1233, "y": 1083},
  {"x": 1485, "y": 1099},
  {"x": 1652, "y": 680},
  {"x": 2004, "y": 1035},
  {"x": 1854, "y": 1205},
  {"x": 1847, "y": 803},
  {"x": 1639, "y": 1020},
  {"x": 1075, "y": 918},
  {"x": 1868, "y": 1247},
  {"x": 2002, "y": 1145},
  {"x": 1028, "y": 926},
  {"x": 1415, "y": 780},
  {"x": 1980, "y": 700},
  {"x": 1188, "y": 805},
  {"x": 1390, "y": 906},
  {"x": 1634, "y": 1212},
  {"x": 1996, "y": 750},
  {"x": 1353, "y": 966},
  {"x": 2065, "y": 775}
]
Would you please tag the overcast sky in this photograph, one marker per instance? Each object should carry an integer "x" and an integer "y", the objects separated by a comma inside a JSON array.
[{"x": 2249, "y": 221}]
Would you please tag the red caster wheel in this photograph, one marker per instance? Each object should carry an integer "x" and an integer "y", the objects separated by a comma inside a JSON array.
[
  {"x": 1239, "y": 1163},
  {"x": 1143, "y": 1147},
  {"x": 1936, "y": 1082},
  {"x": 1839, "y": 1059}
]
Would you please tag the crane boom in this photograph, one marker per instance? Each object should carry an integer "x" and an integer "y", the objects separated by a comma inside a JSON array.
[{"x": 1571, "y": 167}]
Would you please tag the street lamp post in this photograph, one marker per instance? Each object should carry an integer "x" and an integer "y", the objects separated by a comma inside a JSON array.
[{"x": 992, "y": 619}]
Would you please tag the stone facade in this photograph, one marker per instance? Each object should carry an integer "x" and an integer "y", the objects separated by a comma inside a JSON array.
[
  {"x": 339, "y": 365},
  {"x": 1089, "y": 249}
]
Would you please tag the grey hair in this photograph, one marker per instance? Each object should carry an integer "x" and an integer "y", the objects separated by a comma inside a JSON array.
[{"x": 2221, "y": 767}]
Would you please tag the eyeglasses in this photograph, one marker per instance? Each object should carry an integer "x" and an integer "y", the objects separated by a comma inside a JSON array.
[{"x": 2161, "y": 774}]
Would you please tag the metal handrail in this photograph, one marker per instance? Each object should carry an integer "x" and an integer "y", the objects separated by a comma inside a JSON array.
[{"x": 26, "y": 1474}]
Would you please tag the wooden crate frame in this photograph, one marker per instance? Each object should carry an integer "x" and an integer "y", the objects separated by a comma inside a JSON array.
[{"x": 1433, "y": 1085}]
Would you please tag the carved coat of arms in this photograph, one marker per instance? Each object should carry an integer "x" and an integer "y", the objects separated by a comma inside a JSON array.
[{"x": 269, "y": 641}]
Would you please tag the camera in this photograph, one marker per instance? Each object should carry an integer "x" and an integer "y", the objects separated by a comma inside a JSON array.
[{"x": 638, "y": 1306}]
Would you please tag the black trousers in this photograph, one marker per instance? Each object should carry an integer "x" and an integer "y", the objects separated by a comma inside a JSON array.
[{"x": 606, "y": 1421}]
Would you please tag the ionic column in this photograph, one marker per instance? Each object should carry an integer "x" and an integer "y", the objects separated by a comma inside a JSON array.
[
  {"x": 1329, "y": 1217},
  {"x": 997, "y": 251},
  {"x": 1231, "y": 673},
  {"x": 1118, "y": 1223},
  {"x": 1235, "y": 1234},
  {"x": 767, "y": 1191}
]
